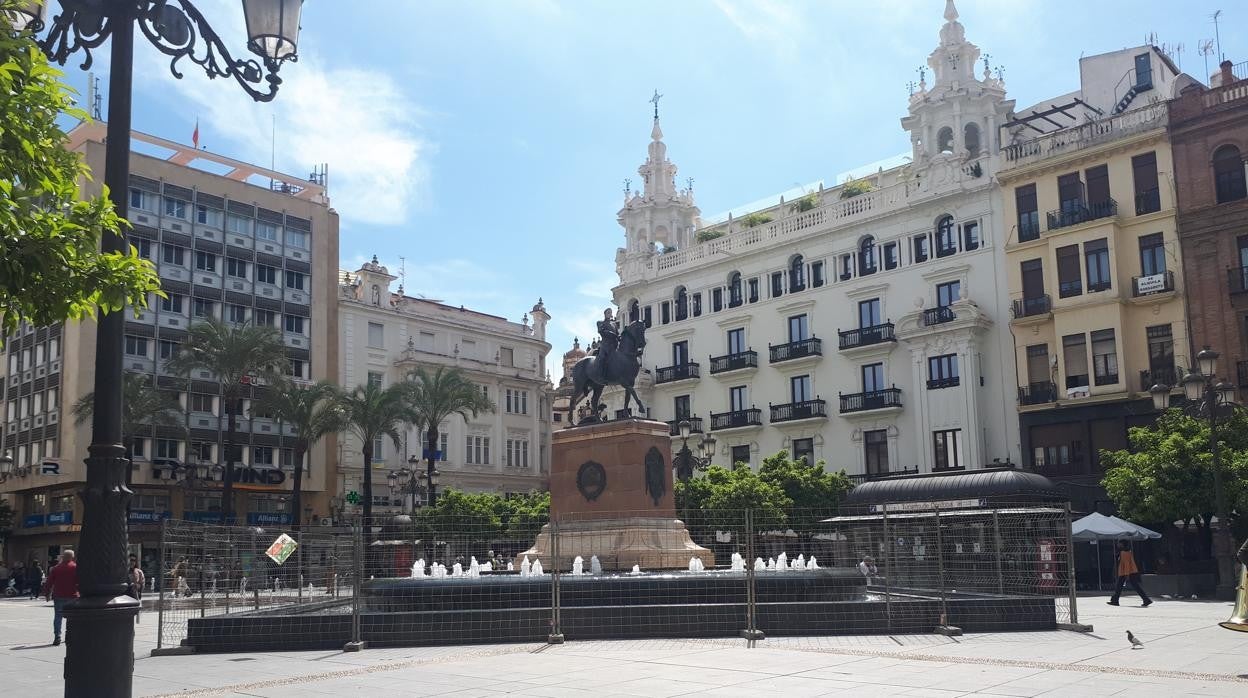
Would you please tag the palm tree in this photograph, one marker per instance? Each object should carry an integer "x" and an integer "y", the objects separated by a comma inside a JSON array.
[
  {"x": 142, "y": 407},
  {"x": 371, "y": 412},
  {"x": 438, "y": 395},
  {"x": 313, "y": 411},
  {"x": 236, "y": 355}
]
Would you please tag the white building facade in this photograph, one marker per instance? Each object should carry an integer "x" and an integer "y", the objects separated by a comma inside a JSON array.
[
  {"x": 865, "y": 325},
  {"x": 385, "y": 336}
]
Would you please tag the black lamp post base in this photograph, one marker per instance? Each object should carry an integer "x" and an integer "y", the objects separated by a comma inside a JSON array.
[{"x": 99, "y": 641}]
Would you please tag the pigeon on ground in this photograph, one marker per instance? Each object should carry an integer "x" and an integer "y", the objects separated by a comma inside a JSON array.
[{"x": 1135, "y": 642}]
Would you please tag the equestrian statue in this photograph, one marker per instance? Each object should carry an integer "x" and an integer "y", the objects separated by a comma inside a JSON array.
[{"x": 617, "y": 362}]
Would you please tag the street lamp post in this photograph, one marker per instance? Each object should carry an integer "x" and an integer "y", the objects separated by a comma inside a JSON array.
[
  {"x": 103, "y": 663},
  {"x": 1210, "y": 399},
  {"x": 685, "y": 461}
]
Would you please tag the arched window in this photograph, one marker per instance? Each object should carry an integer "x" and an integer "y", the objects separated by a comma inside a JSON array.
[
  {"x": 797, "y": 273},
  {"x": 735, "y": 295},
  {"x": 866, "y": 256},
  {"x": 946, "y": 241},
  {"x": 634, "y": 311},
  {"x": 944, "y": 140},
  {"x": 1228, "y": 174},
  {"x": 970, "y": 139},
  {"x": 682, "y": 303}
]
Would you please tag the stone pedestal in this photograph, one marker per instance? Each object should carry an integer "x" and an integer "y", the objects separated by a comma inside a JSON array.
[{"x": 611, "y": 496}]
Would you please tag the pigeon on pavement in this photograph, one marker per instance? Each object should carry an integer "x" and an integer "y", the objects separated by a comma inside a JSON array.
[{"x": 1135, "y": 642}]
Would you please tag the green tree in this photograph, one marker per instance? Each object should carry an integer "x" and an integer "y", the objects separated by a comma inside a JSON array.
[
  {"x": 436, "y": 396},
  {"x": 51, "y": 267},
  {"x": 142, "y": 406},
  {"x": 6, "y": 522},
  {"x": 313, "y": 411},
  {"x": 719, "y": 499},
  {"x": 524, "y": 515},
  {"x": 1167, "y": 474},
  {"x": 371, "y": 412},
  {"x": 815, "y": 492},
  {"x": 236, "y": 355}
]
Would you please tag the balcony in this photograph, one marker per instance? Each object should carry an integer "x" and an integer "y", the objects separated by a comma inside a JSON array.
[
  {"x": 1032, "y": 307},
  {"x": 867, "y": 336},
  {"x": 794, "y": 411},
  {"x": 695, "y": 425},
  {"x": 1086, "y": 135},
  {"x": 1237, "y": 279},
  {"x": 888, "y": 398},
  {"x": 938, "y": 383},
  {"x": 938, "y": 315},
  {"x": 1070, "y": 467},
  {"x": 800, "y": 349},
  {"x": 949, "y": 469},
  {"x": 679, "y": 372},
  {"x": 1028, "y": 226},
  {"x": 1147, "y": 202},
  {"x": 734, "y": 362},
  {"x": 1074, "y": 215},
  {"x": 1152, "y": 284},
  {"x": 1167, "y": 375},
  {"x": 1037, "y": 393},
  {"x": 737, "y": 419},
  {"x": 859, "y": 478}
]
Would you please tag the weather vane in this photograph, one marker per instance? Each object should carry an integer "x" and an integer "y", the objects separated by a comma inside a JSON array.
[{"x": 655, "y": 101}]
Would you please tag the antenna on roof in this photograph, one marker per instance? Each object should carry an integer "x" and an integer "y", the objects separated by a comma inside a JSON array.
[
  {"x": 1206, "y": 48},
  {"x": 402, "y": 270},
  {"x": 1217, "y": 37},
  {"x": 94, "y": 100}
]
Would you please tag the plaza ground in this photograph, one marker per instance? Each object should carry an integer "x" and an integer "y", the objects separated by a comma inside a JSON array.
[{"x": 1184, "y": 653}]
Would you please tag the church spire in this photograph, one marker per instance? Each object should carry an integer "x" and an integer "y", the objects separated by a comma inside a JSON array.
[
  {"x": 658, "y": 174},
  {"x": 951, "y": 11}
]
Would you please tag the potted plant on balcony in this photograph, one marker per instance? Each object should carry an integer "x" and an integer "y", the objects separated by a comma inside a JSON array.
[
  {"x": 854, "y": 187},
  {"x": 755, "y": 219},
  {"x": 804, "y": 204},
  {"x": 708, "y": 235}
]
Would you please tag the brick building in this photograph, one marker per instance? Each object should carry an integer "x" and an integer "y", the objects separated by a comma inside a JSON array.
[{"x": 1209, "y": 137}]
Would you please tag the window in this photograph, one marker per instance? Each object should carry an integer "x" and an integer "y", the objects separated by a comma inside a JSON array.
[
  {"x": 697, "y": 304},
  {"x": 890, "y": 255},
  {"x": 506, "y": 356},
  {"x": 207, "y": 216},
  {"x": 873, "y": 378},
  {"x": 297, "y": 239},
  {"x": 1070, "y": 196},
  {"x": 1096, "y": 255},
  {"x": 1228, "y": 174},
  {"x": 1152, "y": 255},
  {"x": 736, "y": 341},
  {"x": 375, "y": 379},
  {"x": 264, "y": 318},
  {"x": 200, "y": 402},
  {"x": 799, "y": 328},
  {"x": 288, "y": 459},
  {"x": 136, "y": 346},
  {"x": 734, "y": 290},
  {"x": 205, "y": 261},
  {"x": 1147, "y": 193},
  {"x": 665, "y": 312},
  {"x": 797, "y": 274},
  {"x": 738, "y": 398},
  {"x": 946, "y": 241},
  {"x": 167, "y": 349},
  {"x": 944, "y": 140},
  {"x": 293, "y": 323},
  {"x": 517, "y": 401},
  {"x": 477, "y": 450},
  {"x": 942, "y": 371},
  {"x": 875, "y": 451},
  {"x": 1069, "y": 281},
  {"x": 1037, "y": 364},
  {"x": 681, "y": 408},
  {"x": 1104, "y": 357},
  {"x": 680, "y": 353},
  {"x": 777, "y": 284},
  {"x": 143, "y": 201},
  {"x": 266, "y": 274},
  {"x": 240, "y": 225},
  {"x": 175, "y": 208},
  {"x": 947, "y": 293},
  {"x": 376, "y": 335},
  {"x": 799, "y": 389},
  {"x": 817, "y": 277},
  {"x": 1075, "y": 357},
  {"x": 753, "y": 284},
  {"x": 970, "y": 140},
  {"x": 1098, "y": 185},
  {"x": 137, "y": 448},
  {"x": 866, "y": 256},
  {"x": 294, "y": 280},
  {"x": 202, "y": 308},
  {"x": 682, "y": 304},
  {"x": 970, "y": 235},
  {"x": 1028, "y": 215},
  {"x": 804, "y": 449},
  {"x": 262, "y": 455},
  {"x": 1160, "y": 355},
  {"x": 144, "y": 247},
  {"x": 379, "y": 449},
  {"x": 868, "y": 313},
  {"x": 297, "y": 368},
  {"x": 741, "y": 455},
  {"x": 236, "y": 268},
  {"x": 236, "y": 314},
  {"x": 172, "y": 254},
  {"x": 945, "y": 447},
  {"x": 717, "y": 300},
  {"x": 444, "y": 447},
  {"x": 166, "y": 448},
  {"x": 920, "y": 247},
  {"x": 171, "y": 303},
  {"x": 266, "y": 231},
  {"x": 847, "y": 267},
  {"x": 518, "y": 453}
]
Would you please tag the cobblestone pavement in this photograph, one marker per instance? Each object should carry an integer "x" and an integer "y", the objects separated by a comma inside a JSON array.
[{"x": 1184, "y": 653}]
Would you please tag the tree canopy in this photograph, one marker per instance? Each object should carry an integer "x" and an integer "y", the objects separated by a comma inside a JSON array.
[{"x": 51, "y": 268}]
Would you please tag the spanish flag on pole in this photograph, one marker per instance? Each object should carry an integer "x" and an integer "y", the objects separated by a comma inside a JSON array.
[{"x": 195, "y": 135}]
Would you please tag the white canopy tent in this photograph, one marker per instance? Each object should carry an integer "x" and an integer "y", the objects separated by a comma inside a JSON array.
[{"x": 1096, "y": 527}]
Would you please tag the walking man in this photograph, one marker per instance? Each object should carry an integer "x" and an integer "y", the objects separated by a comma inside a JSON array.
[
  {"x": 1128, "y": 572},
  {"x": 61, "y": 586}
]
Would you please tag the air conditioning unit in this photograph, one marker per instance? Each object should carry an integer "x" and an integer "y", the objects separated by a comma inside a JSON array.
[
  {"x": 266, "y": 427},
  {"x": 136, "y": 365},
  {"x": 205, "y": 423},
  {"x": 53, "y": 417},
  {"x": 207, "y": 375},
  {"x": 174, "y": 322},
  {"x": 175, "y": 226},
  {"x": 326, "y": 521},
  {"x": 205, "y": 279},
  {"x": 266, "y": 291},
  {"x": 297, "y": 255},
  {"x": 138, "y": 217},
  {"x": 268, "y": 248},
  {"x": 238, "y": 285}
]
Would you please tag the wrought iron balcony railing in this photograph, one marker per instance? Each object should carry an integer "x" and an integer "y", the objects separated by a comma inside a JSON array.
[
  {"x": 806, "y": 409},
  {"x": 1074, "y": 215},
  {"x": 1037, "y": 393},
  {"x": 796, "y": 350},
  {"x": 752, "y": 417},
  {"x": 937, "y": 315},
  {"x": 733, "y": 362},
  {"x": 859, "y": 478},
  {"x": 870, "y": 400},
  {"x": 866, "y": 336},
  {"x": 1036, "y": 305},
  {"x": 679, "y": 372},
  {"x": 695, "y": 425}
]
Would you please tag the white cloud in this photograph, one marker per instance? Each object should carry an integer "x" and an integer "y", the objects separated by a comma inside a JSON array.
[
  {"x": 771, "y": 22},
  {"x": 357, "y": 120}
]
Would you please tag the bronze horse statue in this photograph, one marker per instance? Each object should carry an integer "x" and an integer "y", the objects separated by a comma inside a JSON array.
[{"x": 591, "y": 375}]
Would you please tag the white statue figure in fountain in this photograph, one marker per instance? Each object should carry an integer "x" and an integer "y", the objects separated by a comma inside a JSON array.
[
  {"x": 487, "y": 566},
  {"x": 474, "y": 568},
  {"x": 696, "y": 564},
  {"x": 242, "y": 586},
  {"x": 636, "y": 569},
  {"x": 418, "y": 568},
  {"x": 813, "y": 564},
  {"x": 578, "y": 566},
  {"x": 536, "y": 570},
  {"x": 738, "y": 563},
  {"x": 800, "y": 562},
  {"x": 782, "y": 561},
  {"x": 771, "y": 564},
  {"x": 525, "y": 566},
  {"x": 595, "y": 565},
  {"x": 457, "y": 570},
  {"x": 759, "y": 565}
]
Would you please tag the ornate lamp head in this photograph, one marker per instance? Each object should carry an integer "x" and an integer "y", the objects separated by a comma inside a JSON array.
[{"x": 273, "y": 28}]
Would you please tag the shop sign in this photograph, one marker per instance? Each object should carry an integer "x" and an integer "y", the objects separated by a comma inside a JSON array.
[
  {"x": 212, "y": 517},
  {"x": 281, "y": 548},
  {"x": 60, "y": 518},
  {"x": 259, "y": 476},
  {"x": 33, "y": 521},
  {"x": 268, "y": 519},
  {"x": 928, "y": 506},
  {"x": 141, "y": 517},
  {"x": 1150, "y": 284}
]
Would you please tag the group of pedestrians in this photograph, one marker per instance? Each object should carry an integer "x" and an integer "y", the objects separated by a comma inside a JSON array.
[{"x": 21, "y": 579}]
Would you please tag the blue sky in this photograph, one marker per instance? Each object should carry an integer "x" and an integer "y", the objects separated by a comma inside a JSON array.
[{"x": 487, "y": 142}]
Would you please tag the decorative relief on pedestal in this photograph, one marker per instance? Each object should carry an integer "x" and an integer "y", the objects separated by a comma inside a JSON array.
[
  {"x": 656, "y": 477},
  {"x": 591, "y": 480}
]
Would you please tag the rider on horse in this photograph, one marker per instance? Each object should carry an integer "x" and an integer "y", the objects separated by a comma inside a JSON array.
[{"x": 610, "y": 333}]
